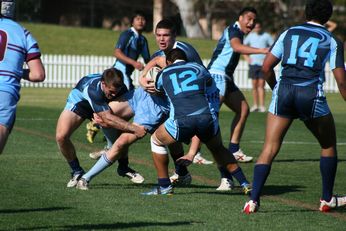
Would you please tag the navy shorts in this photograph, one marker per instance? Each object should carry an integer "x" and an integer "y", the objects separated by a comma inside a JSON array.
[
  {"x": 303, "y": 102},
  {"x": 255, "y": 72},
  {"x": 205, "y": 126}
]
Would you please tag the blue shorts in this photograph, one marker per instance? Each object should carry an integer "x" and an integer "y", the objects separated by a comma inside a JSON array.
[
  {"x": 77, "y": 104},
  {"x": 8, "y": 106},
  {"x": 224, "y": 83},
  {"x": 255, "y": 72},
  {"x": 205, "y": 126},
  {"x": 150, "y": 110},
  {"x": 303, "y": 102}
]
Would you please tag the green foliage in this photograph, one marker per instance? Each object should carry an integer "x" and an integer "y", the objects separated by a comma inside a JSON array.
[{"x": 33, "y": 193}]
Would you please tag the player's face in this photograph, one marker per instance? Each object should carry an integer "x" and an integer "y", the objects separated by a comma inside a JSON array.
[
  {"x": 164, "y": 39},
  {"x": 139, "y": 23},
  {"x": 247, "y": 22},
  {"x": 109, "y": 91}
]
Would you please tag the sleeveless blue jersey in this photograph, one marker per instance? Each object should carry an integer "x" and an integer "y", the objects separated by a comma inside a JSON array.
[
  {"x": 191, "y": 54},
  {"x": 225, "y": 59},
  {"x": 186, "y": 85},
  {"x": 304, "y": 51},
  {"x": 16, "y": 47},
  {"x": 132, "y": 45}
]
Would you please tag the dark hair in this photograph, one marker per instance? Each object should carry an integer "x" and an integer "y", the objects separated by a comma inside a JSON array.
[
  {"x": 113, "y": 77},
  {"x": 175, "y": 54},
  {"x": 137, "y": 13},
  {"x": 318, "y": 10},
  {"x": 167, "y": 24},
  {"x": 247, "y": 9}
]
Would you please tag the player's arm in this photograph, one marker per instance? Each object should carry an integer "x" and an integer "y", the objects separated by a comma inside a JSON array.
[
  {"x": 108, "y": 119},
  {"x": 122, "y": 57},
  {"x": 340, "y": 77},
  {"x": 244, "y": 49},
  {"x": 269, "y": 63},
  {"x": 147, "y": 84},
  {"x": 36, "y": 72}
]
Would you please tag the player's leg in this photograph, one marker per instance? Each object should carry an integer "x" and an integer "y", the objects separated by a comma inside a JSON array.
[
  {"x": 181, "y": 174},
  {"x": 276, "y": 129},
  {"x": 255, "y": 95},
  {"x": 323, "y": 128},
  {"x": 8, "y": 107},
  {"x": 67, "y": 123},
  {"x": 4, "y": 133},
  {"x": 261, "y": 95}
]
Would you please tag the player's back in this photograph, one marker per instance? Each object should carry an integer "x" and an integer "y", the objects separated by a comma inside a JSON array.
[
  {"x": 185, "y": 85},
  {"x": 305, "y": 50},
  {"x": 13, "y": 53}
]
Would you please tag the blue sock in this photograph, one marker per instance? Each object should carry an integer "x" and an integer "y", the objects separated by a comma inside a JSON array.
[
  {"x": 328, "y": 167},
  {"x": 98, "y": 167},
  {"x": 261, "y": 172},
  {"x": 239, "y": 175},
  {"x": 75, "y": 167},
  {"x": 164, "y": 182},
  {"x": 233, "y": 147},
  {"x": 225, "y": 173},
  {"x": 123, "y": 163}
]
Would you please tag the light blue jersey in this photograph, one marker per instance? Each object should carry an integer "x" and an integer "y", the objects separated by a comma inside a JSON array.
[
  {"x": 17, "y": 46},
  {"x": 132, "y": 45},
  {"x": 258, "y": 40}
]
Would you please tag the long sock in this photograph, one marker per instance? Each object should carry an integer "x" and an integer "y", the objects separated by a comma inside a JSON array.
[
  {"x": 239, "y": 175},
  {"x": 233, "y": 147},
  {"x": 75, "y": 167},
  {"x": 164, "y": 182},
  {"x": 328, "y": 167},
  {"x": 98, "y": 167},
  {"x": 123, "y": 163},
  {"x": 111, "y": 135},
  {"x": 224, "y": 173},
  {"x": 261, "y": 172}
]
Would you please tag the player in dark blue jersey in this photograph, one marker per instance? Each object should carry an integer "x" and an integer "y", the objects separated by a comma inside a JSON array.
[
  {"x": 91, "y": 95},
  {"x": 222, "y": 65},
  {"x": 17, "y": 46},
  {"x": 185, "y": 84},
  {"x": 303, "y": 51}
]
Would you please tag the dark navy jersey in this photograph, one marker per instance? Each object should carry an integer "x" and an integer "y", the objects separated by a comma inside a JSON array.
[
  {"x": 225, "y": 59},
  {"x": 185, "y": 84},
  {"x": 191, "y": 53},
  {"x": 304, "y": 51},
  {"x": 132, "y": 45},
  {"x": 89, "y": 89}
]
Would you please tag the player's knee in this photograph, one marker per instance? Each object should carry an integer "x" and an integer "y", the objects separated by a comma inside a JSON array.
[
  {"x": 156, "y": 147},
  {"x": 61, "y": 137},
  {"x": 122, "y": 143}
]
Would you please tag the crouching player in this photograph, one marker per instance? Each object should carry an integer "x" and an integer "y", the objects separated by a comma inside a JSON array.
[{"x": 186, "y": 84}]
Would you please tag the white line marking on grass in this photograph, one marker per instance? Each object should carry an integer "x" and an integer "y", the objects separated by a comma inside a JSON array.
[{"x": 288, "y": 142}]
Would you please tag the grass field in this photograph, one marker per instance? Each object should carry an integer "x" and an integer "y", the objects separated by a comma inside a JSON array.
[{"x": 33, "y": 177}]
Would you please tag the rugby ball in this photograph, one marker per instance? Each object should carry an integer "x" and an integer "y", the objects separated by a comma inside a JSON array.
[{"x": 152, "y": 74}]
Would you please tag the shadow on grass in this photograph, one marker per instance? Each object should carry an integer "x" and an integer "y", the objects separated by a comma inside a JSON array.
[
  {"x": 144, "y": 186},
  {"x": 51, "y": 209},
  {"x": 115, "y": 226}
]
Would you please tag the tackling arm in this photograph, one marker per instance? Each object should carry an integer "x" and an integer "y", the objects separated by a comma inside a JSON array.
[
  {"x": 340, "y": 77},
  {"x": 244, "y": 49},
  {"x": 269, "y": 63}
]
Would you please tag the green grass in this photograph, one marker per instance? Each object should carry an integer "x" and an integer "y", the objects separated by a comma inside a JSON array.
[
  {"x": 33, "y": 193},
  {"x": 55, "y": 39}
]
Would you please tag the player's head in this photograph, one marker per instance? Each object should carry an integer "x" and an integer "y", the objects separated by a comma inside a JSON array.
[
  {"x": 112, "y": 82},
  {"x": 7, "y": 8},
  {"x": 165, "y": 33},
  {"x": 318, "y": 10},
  {"x": 175, "y": 54},
  {"x": 247, "y": 19},
  {"x": 138, "y": 20}
]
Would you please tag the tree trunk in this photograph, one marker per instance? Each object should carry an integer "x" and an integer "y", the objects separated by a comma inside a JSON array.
[{"x": 188, "y": 16}]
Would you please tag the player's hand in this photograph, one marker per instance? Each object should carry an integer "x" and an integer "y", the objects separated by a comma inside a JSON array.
[
  {"x": 185, "y": 160},
  {"x": 140, "y": 131},
  {"x": 139, "y": 66},
  {"x": 148, "y": 86},
  {"x": 265, "y": 50},
  {"x": 98, "y": 120}
]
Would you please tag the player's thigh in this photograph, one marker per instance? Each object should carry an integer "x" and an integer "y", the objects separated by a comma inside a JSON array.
[
  {"x": 236, "y": 101},
  {"x": 323, "y": 128},
  {"x": 67, "y": 123},
  {"x": 121, "y": 108},
  {"x": 162, "y": 136},
  {"x": 4, "y": 133}
]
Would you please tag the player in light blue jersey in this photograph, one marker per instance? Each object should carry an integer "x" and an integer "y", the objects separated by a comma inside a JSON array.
[
  {"x": 222, "y": 65},
  {"x": 258, "y": 39},
  {"x": 17, "y": 46},
  {"x": 92, "y": 94},
  {"x": 130, "y": 45},
  {"x": 191, "y": 114},
  {"x": 303, "y": 51}
]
